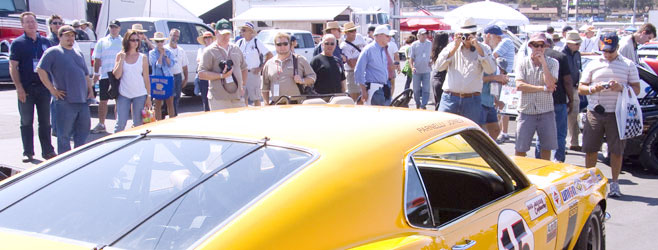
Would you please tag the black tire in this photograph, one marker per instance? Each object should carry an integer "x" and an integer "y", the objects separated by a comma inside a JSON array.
[
  {"x": 592, "y": 237},
  {"x": 649, "y": 153}
]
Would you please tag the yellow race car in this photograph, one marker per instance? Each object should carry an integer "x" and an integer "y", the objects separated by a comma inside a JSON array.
[{"x": 302, "y": 177}]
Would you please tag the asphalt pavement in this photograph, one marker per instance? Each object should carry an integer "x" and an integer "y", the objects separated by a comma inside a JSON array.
[{"x": 634, "y": 215}]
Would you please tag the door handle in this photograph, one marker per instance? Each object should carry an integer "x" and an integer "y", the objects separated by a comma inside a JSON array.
[{"x": 469, "y": 244}]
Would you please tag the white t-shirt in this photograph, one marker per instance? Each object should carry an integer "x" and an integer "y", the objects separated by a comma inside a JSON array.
[
  {"x": 350, "y": 52},
  {"x": 589, "y": 44},
  {"x": 250, "y": 51},
  {"x": 392, "y": 49},
  {"x": 181, "y": 59}
]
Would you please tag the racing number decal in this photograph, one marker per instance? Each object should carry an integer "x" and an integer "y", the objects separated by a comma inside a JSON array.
[{"x": 513, "y": 232}]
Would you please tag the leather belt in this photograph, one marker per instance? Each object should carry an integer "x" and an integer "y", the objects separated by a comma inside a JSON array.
[{"x": 461, "y": 95}]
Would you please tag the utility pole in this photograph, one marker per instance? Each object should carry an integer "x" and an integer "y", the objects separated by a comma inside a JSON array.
[{"x": 633, "y": 17}]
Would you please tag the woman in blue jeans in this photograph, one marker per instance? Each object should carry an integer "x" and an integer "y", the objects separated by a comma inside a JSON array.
[{"x": 132, "y": 68}]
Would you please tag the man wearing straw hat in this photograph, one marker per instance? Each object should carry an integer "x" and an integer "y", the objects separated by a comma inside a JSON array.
[
  {"x": 255, "y": 55},
  {"x": 334, "y": 29},
  {"x": 351, "y": 51},
  {"x": 162, "y": 61},
  {"x": 466, "y": 60},
  {"x": 571, "y": 50},
  {"x": 590, "y": 43},
  {"x": 226, "y": 83}
]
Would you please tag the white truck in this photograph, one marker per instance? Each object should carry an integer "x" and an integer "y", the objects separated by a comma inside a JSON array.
[{"x": 365, "y": 19}]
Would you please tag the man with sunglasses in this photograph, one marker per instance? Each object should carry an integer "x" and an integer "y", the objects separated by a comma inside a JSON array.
[
  {"x": 602, "y": 80},
  {"x": 55, "y": 22},
  {"x": 280, "y": 75},
  {"x": 105, "y": 53},
  {"x": 536, "y": 77},
  {"x": 466, "y": 60},
  {"x": 330, "y": 73},
  {"x": 255, "y": 54}
]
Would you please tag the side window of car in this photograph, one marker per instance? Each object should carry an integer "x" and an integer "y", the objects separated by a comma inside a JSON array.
[
  {"x": 308, "y": 40},
  {"x": 461, "y": 173},
  {"x": 200, "y": 29},
  {"x": 148, "y": 26},
  {"x": 416, "y": 205},
  {"x": 187, "y": 34}
]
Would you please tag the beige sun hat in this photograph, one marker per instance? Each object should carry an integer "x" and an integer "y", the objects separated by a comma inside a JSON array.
[
  {"x": 159, "y": 36},
  {"x": 332, "y": 25},
  {"x": 468, "y": 26},
  {"x": 137, "y": 27},
  {"x": 349, "y": 26},
  {"x": 205, "y": 34},
  {"x": 573, "y": 37}
]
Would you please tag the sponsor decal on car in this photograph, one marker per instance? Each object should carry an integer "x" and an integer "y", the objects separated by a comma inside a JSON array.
[
  {"x": 571, "y": 225},
  {"x": 579, "y": 186},
  {"x": 552, "y": 231},
  {"x": 536, "y": 207},
  {"x": 556, "y": 197},
  {"x": 568, "y": 193},
  {"x": 514, "y": 232}
]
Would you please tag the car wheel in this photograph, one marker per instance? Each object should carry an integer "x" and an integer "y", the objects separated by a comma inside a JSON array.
[
  {"x": 592, "y": 237},
  {"x": 649, "y": 153}
]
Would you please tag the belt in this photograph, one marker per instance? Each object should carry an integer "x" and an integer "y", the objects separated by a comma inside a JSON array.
[{"x": 460, "y": 95}]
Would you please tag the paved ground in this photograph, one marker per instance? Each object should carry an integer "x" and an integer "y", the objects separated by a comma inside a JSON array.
[{"x": 633, "y": 216}]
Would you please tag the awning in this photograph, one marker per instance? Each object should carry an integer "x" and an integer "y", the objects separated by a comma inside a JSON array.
[
  {"x": 291, "y": 13},
  {"x": 415, "y": 23}
]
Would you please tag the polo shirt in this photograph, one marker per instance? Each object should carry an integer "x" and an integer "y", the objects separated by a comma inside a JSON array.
[
  {"x": 27, "y": 53},
  {"x": 420, "y": 52},
  {"x": 589, "y": 44},
  {"x": 628, "y": 48},
  {"x": 281, "y": 72},
  {"x": 537, "y": 102},
  {"x": 620, "y": 69},
  {"x": 506, "y": 50},
  {"x": 106, "y": 50},
  {"x": 210, "y": 62}
]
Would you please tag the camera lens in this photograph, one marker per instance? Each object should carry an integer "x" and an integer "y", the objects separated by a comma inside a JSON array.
[{"x": 463, "y": 38}]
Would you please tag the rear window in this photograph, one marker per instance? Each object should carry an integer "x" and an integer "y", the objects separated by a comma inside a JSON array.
[
  {"x": 143, "y": 182},
  {"x": 148, "y": 26}
]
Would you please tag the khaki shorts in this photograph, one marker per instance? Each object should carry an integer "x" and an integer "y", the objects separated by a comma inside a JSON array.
[
  {"x": 352, "y": 87},
  {"x": 599, "y": 125},
  {"x": 253, "y": 87},
  {"x": 225, "y": 104}
]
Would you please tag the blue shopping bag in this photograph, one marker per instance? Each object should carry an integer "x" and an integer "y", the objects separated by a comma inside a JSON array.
[{"x": 162, "y": 87}]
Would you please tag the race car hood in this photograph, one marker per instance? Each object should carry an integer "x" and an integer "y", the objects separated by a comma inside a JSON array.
[{"x": 23, "y": 240}]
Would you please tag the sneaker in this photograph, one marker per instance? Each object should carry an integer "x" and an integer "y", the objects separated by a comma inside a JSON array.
[
  {"x": 49, "y": 155},
  {"x": 502, "y": 138},
  {"x": 576, "y": 148},
  {"x": 614, "y": 190},
  {"x": 100, "y": 128},
  {"x": 27, "y": 158}
]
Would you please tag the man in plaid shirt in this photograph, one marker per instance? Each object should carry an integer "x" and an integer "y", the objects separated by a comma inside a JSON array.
[{"x": 536, "y": 76}]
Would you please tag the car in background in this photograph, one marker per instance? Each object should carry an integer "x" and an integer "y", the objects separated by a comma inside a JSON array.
[
  {"x": 325, "y": 177},
  {"x": 305, "y": 43},
  {"x": 189, "y": 30}
]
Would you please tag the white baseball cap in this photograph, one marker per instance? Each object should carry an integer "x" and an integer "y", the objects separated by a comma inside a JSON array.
[
  {"x": 381, "y": 29},
  {"x": 422, "y": 31}
]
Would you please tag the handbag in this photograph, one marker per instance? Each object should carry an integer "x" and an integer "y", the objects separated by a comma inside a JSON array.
[
  {"x": 113, "y": 92},
  {"x": 303, "y": 89},
  {"x": 628, "y": 114},
  {"x": 162, "y": 87},
  {"x": 148, "y": 115}
]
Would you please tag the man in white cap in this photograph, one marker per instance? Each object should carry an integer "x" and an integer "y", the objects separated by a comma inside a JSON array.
[
  {"x": 466, "y": 60},
  {"x": 374, "y": 69},
  {"x": 351, "y": 50},
  {"x": 421, "y": 67},
  {"x": 255, "y": 54}
]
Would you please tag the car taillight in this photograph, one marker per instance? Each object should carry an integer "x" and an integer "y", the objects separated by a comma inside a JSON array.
[{"x": 91, "y": 57}]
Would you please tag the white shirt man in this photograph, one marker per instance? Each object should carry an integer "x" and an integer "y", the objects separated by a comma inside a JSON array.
[
  {"x": 179, "y": 70},
  {"x": 255, "y": 55},
  {"x": 351, "y": 48}
]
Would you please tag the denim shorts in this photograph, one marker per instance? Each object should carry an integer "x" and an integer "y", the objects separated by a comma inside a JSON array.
[{"x": 489, "y": 115}]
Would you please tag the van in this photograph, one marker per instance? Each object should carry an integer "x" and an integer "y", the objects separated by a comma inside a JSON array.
[
  {"x": 305, "y": 43},
  {"x": 189, "y": 30}
]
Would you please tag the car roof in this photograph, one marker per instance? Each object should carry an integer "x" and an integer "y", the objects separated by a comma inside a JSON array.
[
  {"x": 320, "y": 127},
  {"x": 153, "y": 19}
]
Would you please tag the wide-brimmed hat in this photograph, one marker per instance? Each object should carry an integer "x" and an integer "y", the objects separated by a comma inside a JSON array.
[
  {"x": 137, "y": 27},
  {"x": 332, "y": 25},
  {"x": 75, "y": 23},
  {"x": 349, "y": 26},
  {"x": 538, "y": 37},
  {"x": 205, "y": 34},
  {"x": 555, "y": 36},
  {"x": 159, "y": 36},
  {"x": 248, "y": 25},
  {"x": 573, "y": 37},
  {"x": 468, "y": 26}
]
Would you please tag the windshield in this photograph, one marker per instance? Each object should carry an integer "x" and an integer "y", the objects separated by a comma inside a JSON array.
[
  {"x": 266, "y": 37},
  {"x": 109, "y": 195},
  {"x": 382, "y": 18},
  {"x": 10, "y": 5}
]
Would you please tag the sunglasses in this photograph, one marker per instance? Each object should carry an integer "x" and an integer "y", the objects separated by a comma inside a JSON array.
[
  {"x": 243, "y": 30},
  {"x": 282, "y": 44},
  {"x": 331, "y": 44},
  {"x": 159, "y": 41},
  {"x": 536, "y": 45},
  {"x": 57, "y": 23},
  {"x": 351, "y": 31},
  {"x": 133, "y": 40}
]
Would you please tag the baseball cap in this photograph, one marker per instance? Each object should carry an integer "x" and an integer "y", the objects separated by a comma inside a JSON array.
[
  {"x": 65, "y": 29},
  {"x": 371, "y": 28},
  {"x": 293, "y": 38},
  {"x": 381, "y": 29},
  {"x": 224, "y": 26},
  {"x": 115, "y": 23},
  {"x": 493, "y": 29},
  {"x": 609, "y": 41},
  {"x": 422, "y": 31}
]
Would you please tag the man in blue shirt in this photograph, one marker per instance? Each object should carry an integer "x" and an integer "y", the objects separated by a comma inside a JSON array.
[
  {"x": 25, "y": 53},
  {"x": 372, "y": 72},
  {"x": 71, "y": 86}
]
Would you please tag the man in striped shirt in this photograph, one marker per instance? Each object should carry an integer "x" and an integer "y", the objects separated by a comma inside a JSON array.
[
  {"x": 601, "y": 81},
  {"x": 105, "y": 54},
  {"x": 536, "y": 77}
]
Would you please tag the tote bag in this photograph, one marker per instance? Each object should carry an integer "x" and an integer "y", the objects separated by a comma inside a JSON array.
[
  {"x": 628, "y": 114},
  {"x": 162, "y": 87}
]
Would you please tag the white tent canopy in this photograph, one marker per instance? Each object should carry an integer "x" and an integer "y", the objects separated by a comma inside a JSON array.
[{"x": 485, "y": 13}]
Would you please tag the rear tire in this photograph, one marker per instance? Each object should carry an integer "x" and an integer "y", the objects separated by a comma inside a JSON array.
[
  {"x": 592, "y": 237},
  {"x": 649, "y": 153}
]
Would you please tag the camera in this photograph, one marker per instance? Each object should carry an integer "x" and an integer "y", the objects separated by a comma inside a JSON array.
[
  {"x": 606, "y": 85},
  {"x": 228, "y": 64},
  {"x": 464, "y": 38}
]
